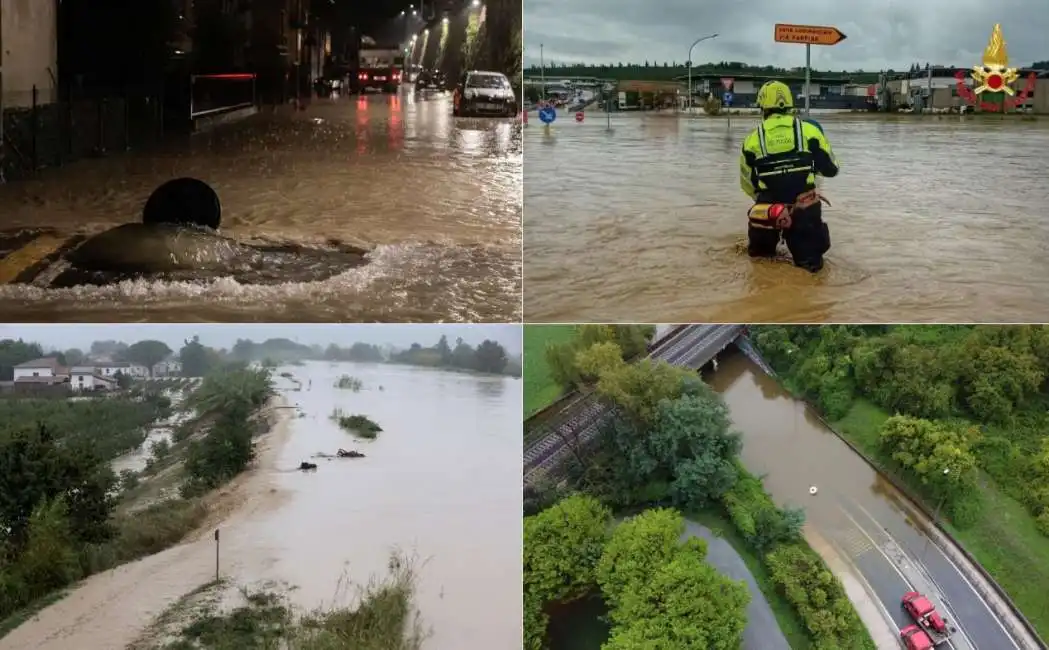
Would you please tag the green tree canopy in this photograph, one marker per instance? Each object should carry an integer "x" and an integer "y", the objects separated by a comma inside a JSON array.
[{"x": 148, "y": 353}]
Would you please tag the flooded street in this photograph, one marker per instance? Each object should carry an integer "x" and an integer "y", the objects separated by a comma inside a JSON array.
[
  {"x": 437, "y": 198},
  {"x": 441, "y": 484},
  {"x": 931, "y": 221},
  {"x": 857, "y": 517}
]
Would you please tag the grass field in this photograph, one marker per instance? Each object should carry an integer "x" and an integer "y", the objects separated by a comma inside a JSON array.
[
  {"x": 1004, "y": 540},
  {"x": 539, "y": 389}
]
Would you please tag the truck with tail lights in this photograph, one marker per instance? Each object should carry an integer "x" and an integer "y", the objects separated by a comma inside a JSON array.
[{"x": 380, "y": 68}]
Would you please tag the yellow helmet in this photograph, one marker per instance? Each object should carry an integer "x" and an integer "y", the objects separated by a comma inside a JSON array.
[{"x": 775, "y": 94}]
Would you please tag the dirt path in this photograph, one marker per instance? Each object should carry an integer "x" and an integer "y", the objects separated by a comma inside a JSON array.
[{"x": 111, "y": 609}]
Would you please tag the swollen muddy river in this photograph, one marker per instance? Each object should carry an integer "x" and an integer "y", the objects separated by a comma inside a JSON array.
[{"x": 441, "y": 484}]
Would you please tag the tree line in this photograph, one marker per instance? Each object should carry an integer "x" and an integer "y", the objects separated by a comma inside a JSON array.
[
  {"x": 59, "y": 496},
  {"x": 670, "y": 71},
  {"x": 489, "y": 357},
  {"x": 669, "y": 444},
  {"x": 965, "y": 399}
]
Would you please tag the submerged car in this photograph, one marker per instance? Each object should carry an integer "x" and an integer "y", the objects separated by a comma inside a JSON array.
[{"x": 481, "y": 92}]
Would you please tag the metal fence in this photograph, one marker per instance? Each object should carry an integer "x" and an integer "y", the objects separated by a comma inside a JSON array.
[
  {"x": 43, "y": 128},
  {"x": 211, "y": 94}
]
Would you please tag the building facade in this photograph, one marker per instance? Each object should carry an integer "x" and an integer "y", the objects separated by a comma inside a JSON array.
[
  {"x": 87, "y": 378},
  {"x": 40, "y": 369}
]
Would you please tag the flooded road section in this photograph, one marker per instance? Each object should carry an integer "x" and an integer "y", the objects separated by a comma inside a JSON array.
[
  {"x": 863, "y": 519},
  {"x": 932, "y": 220},
  {"x": 440, "y": 484},
  {"x": 436, "y": 199}
]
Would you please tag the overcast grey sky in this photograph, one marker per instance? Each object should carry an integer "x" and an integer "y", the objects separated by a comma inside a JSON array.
[
  {"x": 881, "y": 35},
  {"x": 63, "y": 337}
]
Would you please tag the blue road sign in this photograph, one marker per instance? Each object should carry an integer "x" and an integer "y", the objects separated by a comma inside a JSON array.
[
  {"x": 547, "y": 114},
  {"x": 728, "y": 99}
]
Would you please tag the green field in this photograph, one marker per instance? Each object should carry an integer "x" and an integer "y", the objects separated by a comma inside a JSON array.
[
  {"x": 539, "y": 389},
  {"x": 1004, "y": 540}
]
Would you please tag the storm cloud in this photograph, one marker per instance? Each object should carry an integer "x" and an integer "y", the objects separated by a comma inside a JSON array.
[{"x": 881, "y": 35}]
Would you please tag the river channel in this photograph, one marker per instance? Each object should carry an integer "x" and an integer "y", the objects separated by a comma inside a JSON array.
[
  {"x": 933, "y": 220},
  {"x": 436, "y": 198},
  {"x": 857, "y": 517},
  {"x": 441, "y": 484}
]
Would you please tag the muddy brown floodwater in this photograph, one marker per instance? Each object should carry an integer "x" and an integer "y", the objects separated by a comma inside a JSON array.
[
  {"x": 933, "y": 220},
  {"x": 441, "y": 483},
  {"x": 438, "y": 198}
]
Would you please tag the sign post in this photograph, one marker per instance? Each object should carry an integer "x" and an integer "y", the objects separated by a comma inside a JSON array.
[
  {"x": 726, "y": 97},
  {"x": 809, "y": 35},
  {"x": 216, "y": 555}
]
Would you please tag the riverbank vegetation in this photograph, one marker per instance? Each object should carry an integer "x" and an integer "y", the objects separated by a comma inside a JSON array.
[
  {"x": 959, "y": 413},
  {"x": 384, "y": 618},
  {"x": 671, "y": 444},
  {"x": 67, "y": 515},
  {"x": 359, "y": 425},
  {"x": 550, "y": 356},
  {"x": 487, "y": 358},
  {"x": 346, "y": 382}
]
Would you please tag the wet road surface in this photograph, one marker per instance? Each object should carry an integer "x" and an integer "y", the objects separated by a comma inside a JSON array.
[
  {"x": 933, "y": 220},
  {"x": 762, "y": 631},
  {"x": 440, "y": 484},
  {"x": 436, "y": 200},
  {"x": 867, "y": 522}
]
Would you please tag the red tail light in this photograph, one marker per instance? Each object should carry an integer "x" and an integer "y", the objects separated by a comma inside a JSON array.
[{"x": 363, "y": 76}]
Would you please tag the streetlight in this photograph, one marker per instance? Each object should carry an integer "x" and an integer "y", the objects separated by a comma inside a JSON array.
[
  {"x": 475, "y": 4},
  {"x": 692, "y": 47},
  {"x": 936, "y": 515},
  {"x": 402, "y": 14}
]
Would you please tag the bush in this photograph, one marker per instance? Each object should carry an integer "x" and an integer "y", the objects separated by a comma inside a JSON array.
[
  {"x": 756, "y": 516},
  {"x": 816, "y": 594},
  {"x": 683, "y": 603},
  {"x": 638, "y": 547},
  {"x": 359, "y": 425},
  {"x": 562, "y": 546}
]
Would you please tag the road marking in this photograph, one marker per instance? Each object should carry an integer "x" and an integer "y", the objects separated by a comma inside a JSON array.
[
  {"x": 878, "y": 548},
  {"x": 960, "y": 573},
  {"x": 867, "y": 585},
  {"x": 32, "y": 253}
]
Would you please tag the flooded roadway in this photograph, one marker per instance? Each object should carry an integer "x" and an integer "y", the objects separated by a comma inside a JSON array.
[
  {"x": 438, "y": 198},
  {"x": 863, "y": 519},
  {"x": 933, "y": 220},
  {"x": 440, "y": 483}
]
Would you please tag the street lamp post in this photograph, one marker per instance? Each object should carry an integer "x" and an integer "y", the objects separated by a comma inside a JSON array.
[
  {"x": 692, "y": 47},
  {"x": 542, "y": 75},
  {"x": 936, "y": 515}
]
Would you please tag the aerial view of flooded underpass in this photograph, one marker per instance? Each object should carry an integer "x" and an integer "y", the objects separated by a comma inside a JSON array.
[{"x": 858, "y": 521}]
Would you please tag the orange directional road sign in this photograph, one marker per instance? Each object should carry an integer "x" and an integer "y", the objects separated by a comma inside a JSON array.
[{"x": 808, "y": 34}]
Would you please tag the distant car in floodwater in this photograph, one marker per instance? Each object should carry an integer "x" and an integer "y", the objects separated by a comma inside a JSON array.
[
  {"x": 431, "y": 80},
  {"x": 482, "y": 92}
]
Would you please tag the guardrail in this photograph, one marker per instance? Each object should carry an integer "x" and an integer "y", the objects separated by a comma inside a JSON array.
[
  {"x": 754, "y": 355},
  {"x": 213, "y": 94}
]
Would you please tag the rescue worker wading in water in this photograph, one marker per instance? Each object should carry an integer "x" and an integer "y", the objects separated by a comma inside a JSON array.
[{"x": 778, "y": 169}]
